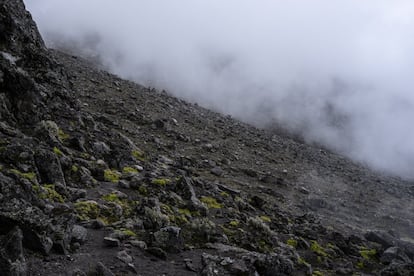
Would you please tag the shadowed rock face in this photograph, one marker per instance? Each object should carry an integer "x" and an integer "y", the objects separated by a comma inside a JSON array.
[
  {"x": 30, "y": 80},
  {"x": 18, "y": 32},
  {"x": 131, "y": 175},
  {"x": 22, "y": 51}
]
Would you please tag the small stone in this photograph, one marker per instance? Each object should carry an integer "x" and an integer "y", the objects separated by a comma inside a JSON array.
[
  {"x": 124, "y": 256},
  {"x": 383, "y": 238},
  {"x": 303, "y": 190},
  {"x": 79, "y": 234},
  {"x": 217, "y": 171},
  {"x": 139, "y": 244},
  {"x": 189, "y": 265},
  {"x": 169, "y": 238},
  {"x": 102, "y": 270},
  {"x": 157, "y": 252},
  {"x": 124, "y": 184},
  {"x": 394, "y": 253},
  {"x": 97, "y": 224},
  {"x": 111, "y": 242},
  {"x": 78, "y": 272}
]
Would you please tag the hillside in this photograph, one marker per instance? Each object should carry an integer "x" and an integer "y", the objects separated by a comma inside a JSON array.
[{"x": 102, "y": 176}]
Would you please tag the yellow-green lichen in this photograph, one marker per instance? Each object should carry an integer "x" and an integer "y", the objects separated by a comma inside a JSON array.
[
  {"x": 234, "y": 223},
  {"x": 161, "y": 181},
  {"x": 112, "y": 175},
  {"x": 368, "y": 254},
  {"x": 29, "y": 175},
  {"x": 292, "y": 242},
  {"x": 85, "y": 155},
  {"x": 265, "y": 219},
  {"x": 57, "y": 151},
  {"x": 138, "y": 155},
  {"x": 315, "y": 247},
  {"x": 302, "y": 261},
  {"x": 75, "y": 168},
  {"x": 224, "y": 194},
  {"x": 185, "y": 212},
  {"x": 87, "y": 210},
  {"x": 211, "y": 202},
  {"x": 143, "y": 190},
  {"x": 317, "y": 273},
  {"x": 129, "y": 233},
  {"x": 48, "y": 192},
  {"x": 129, "y": 170},
  {"x": 112, "y": 197},
  {"x": 62, "y": 135},
  {"x": 264, "y": 246},
  {"x": 360, "y": 265}
]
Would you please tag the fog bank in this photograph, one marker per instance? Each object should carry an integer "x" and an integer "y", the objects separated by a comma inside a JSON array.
[{"x": 340, "y": 72}]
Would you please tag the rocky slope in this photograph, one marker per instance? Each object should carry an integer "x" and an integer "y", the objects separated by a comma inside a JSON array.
[{"x": 101, "y": 176}]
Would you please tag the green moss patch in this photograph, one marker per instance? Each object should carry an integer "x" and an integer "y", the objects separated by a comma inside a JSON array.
[
  {"x": 112, "y": 197},
  {"x": 318, "y": 249},
  {"x": 211, "y": 202},
  {"x": 292, "y": 242},
  {"x": 265, "y": 219},
  {"x": 62, "y": 135},
  {"x": 129, "y": 170},
  {"x": 368, "y": 254},
  {"x": 87, "y": 210},
  {"x": 29, "y": 176},
  {"x": 48, "y": 192},
  {"x": 138, "y": 155},
  {"x": 112, "y": 175},
  {"x": 161, "y": 181},
  {"x": 57, "y": 151}
]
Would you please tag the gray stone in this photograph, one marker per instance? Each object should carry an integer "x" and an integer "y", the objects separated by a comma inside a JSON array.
[
  {"x": 217, "y": 171},
  {"x": 124, "y": 256},
  {"x": 102, "y": 270},
  {"x": 49, "y": 167},
  {"x": 140, "y": 244},
  {"x": 79, "y": 234},
  {"x": 169, "y": 238},
  {"x": 157, "y": 252},
  {"x": 394, "y": 254},
  {"x": 12, "y": 260},
  {"x": 383, "y": 238},
  {"x": 100, "y": 148},
  {"x": 394, "y": 269},
  {"x": 111, "y": 242}
]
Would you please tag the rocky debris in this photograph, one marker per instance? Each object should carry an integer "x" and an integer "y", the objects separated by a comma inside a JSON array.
[
  {"x": 111, "y": 242},
  {"x": 102, "y": 270},
  {"x": 394, "y": 254},
  {"x": 79, "y": 234},
  {"x": 169, "y": 238},
  {"x": 12, "y": 260},
  {"x": 155, "y": 185}
]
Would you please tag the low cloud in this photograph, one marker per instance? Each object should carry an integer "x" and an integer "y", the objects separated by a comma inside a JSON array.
[{"x": 337, "y": 72}]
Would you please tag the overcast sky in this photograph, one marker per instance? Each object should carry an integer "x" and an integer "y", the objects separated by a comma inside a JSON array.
[{"x": 338, "y": 71}]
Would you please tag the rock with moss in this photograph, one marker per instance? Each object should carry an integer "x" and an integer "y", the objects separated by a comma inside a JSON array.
[
  {"x": 48, "y": 165},
  {"x": 112, "y": 175},
  {"x": 154, "y": 219},
  {"x": 169, "y": 238},
  {"x": 87, "y": 210},
  {"x": 12, "y": 260},
  {"x": 184, "y": 187}
]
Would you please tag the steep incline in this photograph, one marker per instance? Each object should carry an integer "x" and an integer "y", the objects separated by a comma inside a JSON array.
[{"x": 101, "y": 176}]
